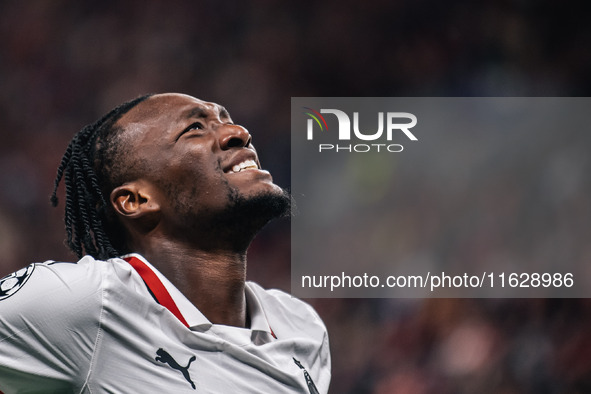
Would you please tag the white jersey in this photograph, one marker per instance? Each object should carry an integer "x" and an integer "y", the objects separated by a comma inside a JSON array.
[{"x": 109, "y": 327}]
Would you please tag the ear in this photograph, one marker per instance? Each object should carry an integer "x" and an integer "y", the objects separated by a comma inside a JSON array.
[{"x": 134, "y": 200}]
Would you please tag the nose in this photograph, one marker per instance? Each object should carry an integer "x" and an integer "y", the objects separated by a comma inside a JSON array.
[{"x": 233, "y": 136}]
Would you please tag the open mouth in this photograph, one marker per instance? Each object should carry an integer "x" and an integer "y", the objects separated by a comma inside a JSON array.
[{"x": 245, "y": 165}]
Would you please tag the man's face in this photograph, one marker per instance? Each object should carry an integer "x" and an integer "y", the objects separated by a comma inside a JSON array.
[{"x": 203, "y": 166}]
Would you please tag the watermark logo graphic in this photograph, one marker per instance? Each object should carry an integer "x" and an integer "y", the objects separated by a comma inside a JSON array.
[
  {"x": 390, "y": 125},
  {"x": 314, "y": 116}
]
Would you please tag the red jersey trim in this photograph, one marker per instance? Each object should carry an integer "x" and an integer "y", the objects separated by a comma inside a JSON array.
[{"x": 156, "y": 287}]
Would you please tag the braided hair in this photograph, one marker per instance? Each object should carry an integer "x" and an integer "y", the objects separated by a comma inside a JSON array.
[{"x": 89, "y": 170}]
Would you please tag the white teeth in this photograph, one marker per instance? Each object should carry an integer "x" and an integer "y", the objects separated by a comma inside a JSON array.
[{"x": 247, "y": 164}]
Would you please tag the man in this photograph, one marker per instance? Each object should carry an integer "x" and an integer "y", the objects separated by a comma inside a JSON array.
[{"x": 169, "y": 183}]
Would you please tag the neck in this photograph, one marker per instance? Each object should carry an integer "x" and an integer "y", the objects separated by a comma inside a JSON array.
[{"x": 212, "y": 280}]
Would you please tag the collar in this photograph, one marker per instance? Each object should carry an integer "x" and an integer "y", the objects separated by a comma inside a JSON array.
[{"x": 167, "y": 295}]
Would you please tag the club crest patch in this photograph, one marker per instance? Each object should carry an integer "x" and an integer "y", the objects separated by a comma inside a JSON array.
[{"x": 12, "y": 283}]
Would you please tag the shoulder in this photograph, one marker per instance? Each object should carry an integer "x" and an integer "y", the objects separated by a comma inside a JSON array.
[
  {"x": 54, "y": 285},
  {"x": 298, "y": 327},
  {"x": 59, "y": 297},
  {"x": 49, "y": 310},
  {"x": 43, "y": 278}
]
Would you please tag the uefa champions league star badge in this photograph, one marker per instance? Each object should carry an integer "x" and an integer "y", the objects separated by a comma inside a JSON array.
[{"x": 12, "y": 283}]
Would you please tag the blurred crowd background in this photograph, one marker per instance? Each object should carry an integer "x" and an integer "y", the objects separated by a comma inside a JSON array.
[{"x": 65, "y": 63}]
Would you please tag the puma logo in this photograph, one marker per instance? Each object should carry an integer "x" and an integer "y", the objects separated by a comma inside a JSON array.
[{"x": 165, "y": 358}]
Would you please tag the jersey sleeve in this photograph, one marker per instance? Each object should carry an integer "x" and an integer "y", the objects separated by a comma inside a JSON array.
[{"x": 49, "y": 322}]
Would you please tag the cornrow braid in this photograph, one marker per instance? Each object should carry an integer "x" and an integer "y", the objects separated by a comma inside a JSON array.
[{"x": 88, "y": 230}]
